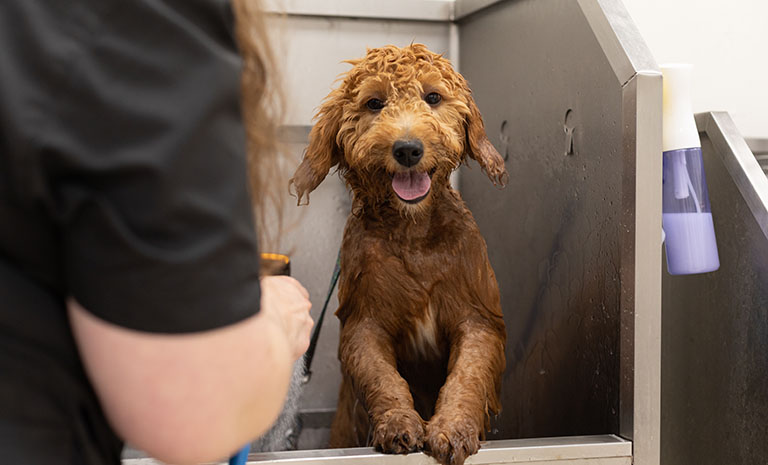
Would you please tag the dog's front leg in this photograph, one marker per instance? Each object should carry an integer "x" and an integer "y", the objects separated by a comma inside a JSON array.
[
  {"x": 469, "y": 395},
  {"x": 367, "y": 356}
]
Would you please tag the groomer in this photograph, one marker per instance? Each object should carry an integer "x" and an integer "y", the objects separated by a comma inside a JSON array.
[{"x": 130, "y": 302}]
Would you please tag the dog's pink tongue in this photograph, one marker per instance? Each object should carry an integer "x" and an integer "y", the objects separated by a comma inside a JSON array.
[{"x": 410, "y": 185}]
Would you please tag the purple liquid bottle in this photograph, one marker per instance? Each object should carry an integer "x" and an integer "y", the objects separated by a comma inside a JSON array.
[{"x": 686, "y": 213}]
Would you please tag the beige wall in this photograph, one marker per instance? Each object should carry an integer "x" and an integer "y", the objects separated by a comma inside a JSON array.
[
  {"x": 726, "y": 41},
  {"x": 311, "y": 50}
]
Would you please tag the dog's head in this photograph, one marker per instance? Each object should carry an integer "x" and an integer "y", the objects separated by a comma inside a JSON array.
[{"x": 401, "y": 121}]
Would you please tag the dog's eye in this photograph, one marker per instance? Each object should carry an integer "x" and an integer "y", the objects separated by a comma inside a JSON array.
[
  {"x": 433, "y": 98},
  {"x": 374, "y": 104}
]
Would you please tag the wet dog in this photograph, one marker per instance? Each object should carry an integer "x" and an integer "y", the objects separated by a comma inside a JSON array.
[{"x": 422, "y": 335}]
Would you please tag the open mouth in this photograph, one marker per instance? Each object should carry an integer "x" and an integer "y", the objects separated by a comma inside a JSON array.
[{"x": 411, "y": 186}]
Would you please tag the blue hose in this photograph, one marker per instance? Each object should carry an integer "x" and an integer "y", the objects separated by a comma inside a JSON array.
[{"x": 241, "y": 456}]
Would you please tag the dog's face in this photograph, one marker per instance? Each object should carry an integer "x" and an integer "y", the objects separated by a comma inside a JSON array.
[{"x": 399, "y": 124}]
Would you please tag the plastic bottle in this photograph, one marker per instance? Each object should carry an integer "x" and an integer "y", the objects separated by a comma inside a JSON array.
[{"x": 687, "y": 215}]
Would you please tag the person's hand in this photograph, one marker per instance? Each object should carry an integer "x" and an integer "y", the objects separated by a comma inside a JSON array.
[{"x": 286, "y": 300}]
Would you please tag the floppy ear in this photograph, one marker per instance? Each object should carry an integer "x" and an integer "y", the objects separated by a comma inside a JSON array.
[
  {"x": 323, "y": 151},
  {"x": 480, "y": 148}
]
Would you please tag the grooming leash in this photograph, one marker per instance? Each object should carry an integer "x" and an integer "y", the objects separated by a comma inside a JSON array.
[{"x": 316, "y": 333}]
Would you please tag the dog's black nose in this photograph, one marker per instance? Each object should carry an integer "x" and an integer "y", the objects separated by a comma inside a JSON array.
[{"x": 408, "y": 152}]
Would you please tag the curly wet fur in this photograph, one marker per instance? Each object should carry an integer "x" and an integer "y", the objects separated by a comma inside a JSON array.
[{"x": 422, "y": 336}]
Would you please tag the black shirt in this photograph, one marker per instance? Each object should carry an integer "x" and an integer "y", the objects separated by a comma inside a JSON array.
[{"x": 123, "y": 185}]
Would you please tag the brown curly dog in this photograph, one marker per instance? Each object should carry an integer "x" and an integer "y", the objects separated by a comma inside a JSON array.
[{"x": 422, "y": 334}]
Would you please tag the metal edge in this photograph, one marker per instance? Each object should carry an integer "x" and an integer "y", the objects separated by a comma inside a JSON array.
[
  {"x": 294, "y": 133},
  {"x": 433, "y": 10},
  {"x": 627, "y": 260},
  {"x": 316, "y": 418},
  {"x": 648, "y": 269},
  {"x": 492, "y": 452},
  {"x": 739, "y": 161},
  {"x": 453, "y": 50},
  {"x": 757, "y": 145},
  {"x": 619, "y": 38},
  {"x": 465, "y": 8},
  {"x": 640, "y": 395},
  {"x": 640, "y": 365}
]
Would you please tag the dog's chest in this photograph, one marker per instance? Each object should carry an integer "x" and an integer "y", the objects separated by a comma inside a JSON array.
[{"x": 423, "y": 335}]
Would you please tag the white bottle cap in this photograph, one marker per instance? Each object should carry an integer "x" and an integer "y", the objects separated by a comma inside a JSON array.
[{"x": 679, "y": 127}]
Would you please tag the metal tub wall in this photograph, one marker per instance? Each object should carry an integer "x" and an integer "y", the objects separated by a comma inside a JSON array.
[
  {"x": 759, "y": 148},
  {"x": 559, "y": 84},
  {"x": 715, "y": 325},
  {"x": 558, "y": 233},
  {"x": 571, "y": 96}
]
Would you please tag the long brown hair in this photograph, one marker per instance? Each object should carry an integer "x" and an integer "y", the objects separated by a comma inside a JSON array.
[{"x": 262, "y": 107}]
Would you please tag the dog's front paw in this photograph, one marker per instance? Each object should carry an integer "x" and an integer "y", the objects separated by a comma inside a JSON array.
[
  {"x": 450, "y": 440},
  {"x": 399, "y": 431}
]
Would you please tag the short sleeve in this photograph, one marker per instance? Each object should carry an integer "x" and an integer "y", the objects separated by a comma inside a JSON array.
[{"x": 142, "y": 149}]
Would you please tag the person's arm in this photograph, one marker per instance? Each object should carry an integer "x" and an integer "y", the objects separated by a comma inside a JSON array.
[
  {"x": 137, "y": 155},
  {"x": 196, "y": 397}
]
